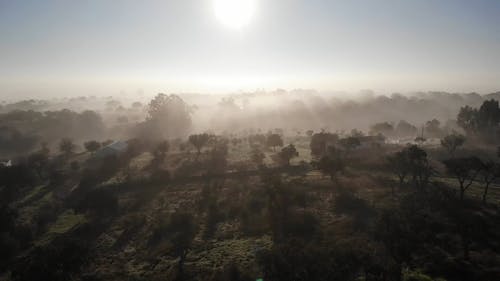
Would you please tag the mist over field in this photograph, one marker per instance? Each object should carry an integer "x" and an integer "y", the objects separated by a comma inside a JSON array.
[
  {"x": 250, "y": 140},
  {"x": 293, "y": 111}
]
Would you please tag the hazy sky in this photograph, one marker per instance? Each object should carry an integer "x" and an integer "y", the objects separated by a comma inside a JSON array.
[{"x": 104, "y": 46}]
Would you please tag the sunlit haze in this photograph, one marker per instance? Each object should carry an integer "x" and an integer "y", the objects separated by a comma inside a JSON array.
[
  {"x": 234, "y": 13},
  {"x": 208, "y": 46}
]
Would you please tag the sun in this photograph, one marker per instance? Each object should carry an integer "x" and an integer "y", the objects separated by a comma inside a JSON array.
[{"x": 234, "y": 13}]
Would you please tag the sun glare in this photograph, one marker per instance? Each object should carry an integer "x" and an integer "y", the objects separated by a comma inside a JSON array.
[{"x": 234, "y": 13}]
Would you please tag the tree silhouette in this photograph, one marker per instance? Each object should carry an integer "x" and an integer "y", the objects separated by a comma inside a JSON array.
[
  {"x": 331, "y": 164},
  {"x": 320, "y": 142},
  {"x": 350, "y": 143},
  {"x": 411, "y": 161},
  {"x": 106, "y": 143},
  {"x": 180, "y": 231},
  {"x": 274, "y": 140},
  {"x": 159, "y": 153},
  {"x": 92, "y": 146},
  {"x": 488, "y": 114},
  {"x": 384, "y": 128},
  {"x": 257, "y": 156},
  {"x": 465, "y": 170},
  {"x": 199, "y": 141},
  {"x": 39, "y": 160},
  {"x": 168, "y": 116},
  {"x": 405, "y": 129},
  {"x": 420, "y": 168},
  {"x": 287, "y": 153},
  {"x": 467, "y": 118},
  {"x": 489, "y": 173},
  {"x": 400, "y": 164},
  {"x": 432, "y": 128},
  {"x": 66, "y": 146},
  {"x": 483, "y": 121},
  {"x": 452, "y": 142},
  {"x": 217, "y": 162}
]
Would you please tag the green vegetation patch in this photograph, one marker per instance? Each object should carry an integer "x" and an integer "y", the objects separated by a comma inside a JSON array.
[
  {"x": 65, "y": 222},
  {"x": 240, "y": 251}
]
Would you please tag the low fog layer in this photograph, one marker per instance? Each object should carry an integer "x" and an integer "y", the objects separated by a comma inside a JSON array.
[{"x": 294, "y": 112}]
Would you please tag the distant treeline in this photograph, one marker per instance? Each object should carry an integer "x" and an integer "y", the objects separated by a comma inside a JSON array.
[{"x": 23, "y": 130}]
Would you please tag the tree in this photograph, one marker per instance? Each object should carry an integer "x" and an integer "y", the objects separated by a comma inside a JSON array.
[
  {"x": 350, "y": 143},
  {"x": 489, "y": 173},
  {"x": 106, "y": 143},
  {"x": 331, "y": 164},
  {"x": 257, "y": 156},
  {"x": 394, "y": 230},
  {"x": 309, "y": 133},
  {"x": 278, "y": 204},
  {"x": 12, "y": 140},
  {"x": 465, "y": 171},
  {"x": 13, "y": 179},
  {"x": 180, "y": 231},
  {"x": 488, "y": 114},
  {"x": 419, "y": 165},
  {"x": 287, "y": 153},
  {"x": 168, "y": 116},
  {"x": 39, "y": 160},
  {"x": 405, "y": 129},
  {"x": 483, "y": 121},
  {"x": 467, "y": 118},
  {"x": 320, "y": 142},
  {"x": 92, "y": 146},
  {"x": 384, "y": 128},
  {"x": 357, "y": 133},
  {"x": 89, "y": 123},
  {"x": 159, "y": 153},
  {"x": 452, "y": 142},
  {"x": 411, "y": 161},
  {"x": 199, "y": 141},
  {"x": 399, "y": 163},
  {"x": 66, "y": 146},
  {"x": 274, "y": 140},
  {"x": 217, "y": 162},
  {"x": 432, "y": 128}
]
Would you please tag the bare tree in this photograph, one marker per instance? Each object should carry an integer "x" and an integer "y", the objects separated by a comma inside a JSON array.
[
  {"x": 489, "y": 173},
  {"x": 411, "y": 162},
  {"x": 465, "y": 171},
  {"x": 399, "y": 163}
]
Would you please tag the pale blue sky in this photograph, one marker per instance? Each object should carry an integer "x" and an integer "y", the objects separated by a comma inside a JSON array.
[{"x": 104, "y": 46}]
